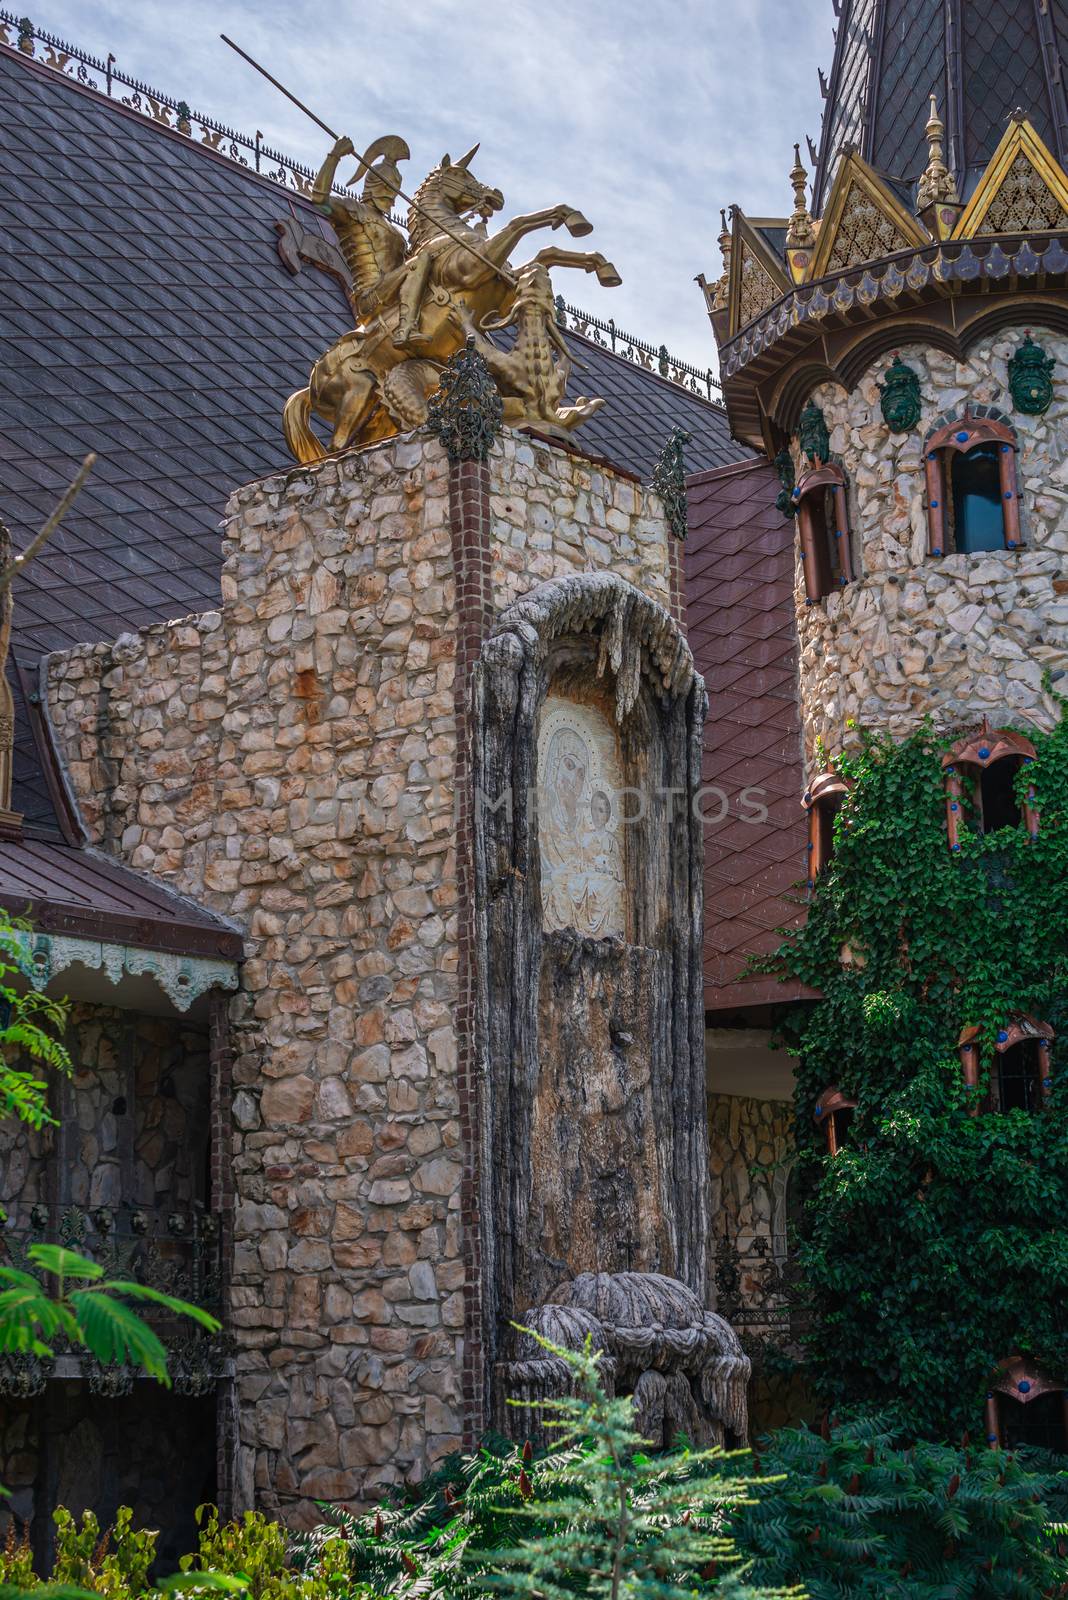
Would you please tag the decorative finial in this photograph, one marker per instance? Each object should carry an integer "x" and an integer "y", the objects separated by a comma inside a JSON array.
[
  {"x": 669, "y": 480},
  {"x": 937, "y": 185},
  {"x": 800, "y": 235},
  {"x": 719, "y": 301},
  {"x": 466, "y": 411}
]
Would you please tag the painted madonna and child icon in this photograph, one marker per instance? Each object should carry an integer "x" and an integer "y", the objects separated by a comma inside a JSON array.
[{"x": 583, "y": 881}]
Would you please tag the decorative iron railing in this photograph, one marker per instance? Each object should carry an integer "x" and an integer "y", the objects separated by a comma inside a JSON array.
[
  {"x": 651, "y": 358},
  {"x": 177, "y": 1252},
  {"x": 107, "y": 78},
  {"x": 760, "y": 1291}
]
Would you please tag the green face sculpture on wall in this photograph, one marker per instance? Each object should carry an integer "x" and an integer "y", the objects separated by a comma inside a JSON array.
[
  {"x": 1030, "y": 380},
  {"x": 812, "y": 434},
  {"x": 900, "y": 397}
]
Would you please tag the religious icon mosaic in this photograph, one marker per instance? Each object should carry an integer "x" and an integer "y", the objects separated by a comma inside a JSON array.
[{"x": 580, "y": 821}]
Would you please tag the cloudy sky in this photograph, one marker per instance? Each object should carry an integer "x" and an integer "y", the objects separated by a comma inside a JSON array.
[{"x": 646, "y": 114}]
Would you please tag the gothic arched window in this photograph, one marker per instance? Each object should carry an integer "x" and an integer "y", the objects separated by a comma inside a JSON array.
[
  {"x": 823, "y": 528},
  {"x": 834, "y": 1114},
  {"x": 1025, "y": 1406},
  {"x": 972, "y": 498},
  {"x": 823, "y": 801},
  {"x": 1021, "y": 1076},
  {"x": 985, "y": 764}
]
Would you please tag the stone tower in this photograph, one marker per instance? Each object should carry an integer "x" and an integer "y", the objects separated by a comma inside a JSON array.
[{"x": 901, "y": 355}]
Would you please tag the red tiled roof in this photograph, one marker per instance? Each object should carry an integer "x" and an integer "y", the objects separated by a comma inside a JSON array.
[{"x": 740, "y": 616}]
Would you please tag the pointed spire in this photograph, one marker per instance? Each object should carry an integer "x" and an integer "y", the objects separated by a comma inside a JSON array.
[
  {"x": 719, "y": 302},
  {"x": 800, "y": 235},
  {"x": 937, "y": 185}
]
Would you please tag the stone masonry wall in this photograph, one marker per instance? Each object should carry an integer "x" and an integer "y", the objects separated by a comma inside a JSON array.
[
  {"x": 750, "y": 1143},
  {"x": 955, "y": 636},
  {"x": 288, "y": 760}
]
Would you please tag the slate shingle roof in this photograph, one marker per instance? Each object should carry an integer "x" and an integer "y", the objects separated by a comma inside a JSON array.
[
  {"x": 981, "y": 59},
  {"x": 147, "y": 317},
  {"x": 740, "y": 619}
]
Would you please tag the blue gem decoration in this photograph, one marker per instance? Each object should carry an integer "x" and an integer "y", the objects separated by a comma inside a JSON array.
[
  {"x": 1023, "y": 1386},
  {"x": 991, "y": 1438},
  {"x": 838, "y": 533},
  {"x": 1047, "y": 1083},
  {"x": 956, "y": 847},
  {"x": 1008, "y": 494},
  {"x": 938, "y": 552},
  {"x": 819, "y": 1111},
  {"x": 983, "y": 752},
  {"x": 962, "y": 437},
  {"x": 934, "y": 505},
  {"x": 954, "y": 806},
  {"x": 1002, "y": 1036}
]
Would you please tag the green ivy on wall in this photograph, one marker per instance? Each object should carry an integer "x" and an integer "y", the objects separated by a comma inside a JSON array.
[{"x": 936, "y": 1242}]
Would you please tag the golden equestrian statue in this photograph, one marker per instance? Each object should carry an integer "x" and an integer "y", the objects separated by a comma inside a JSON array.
[{"x": 415, "y": 299}]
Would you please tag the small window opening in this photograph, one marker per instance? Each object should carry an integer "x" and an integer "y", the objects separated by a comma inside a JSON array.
[
  {"x": 1041, "y": 1423},
  {"x": 825, "y": 811},
  {"x": 978, "y": 514},
  {"x": 1019, "y": 1082},
  {"x": 984, "y": 767},
  {"x": 822, "y": 801},
  {"x": 997, "y": 795},
  {"x": 834, "y": 1114},
  {"x": 823, "y": 529},
  {"x": 972, "y": 495}
]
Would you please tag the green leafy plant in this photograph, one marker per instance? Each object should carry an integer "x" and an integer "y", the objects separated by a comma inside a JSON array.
[
  {"x": 860, "y": 1511},
  {"x": 255, "y": 1550},
  {"x": 31, "y": 1026},
  {"x": 94, "y": 1317},
  {"x": 936, "y": 1242},
  {"x": 596, "y": 1515},
  {"x": 115, "y": 1563}
]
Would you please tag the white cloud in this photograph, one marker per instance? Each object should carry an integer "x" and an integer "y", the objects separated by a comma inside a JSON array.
[{"x": 646, "y": 114}]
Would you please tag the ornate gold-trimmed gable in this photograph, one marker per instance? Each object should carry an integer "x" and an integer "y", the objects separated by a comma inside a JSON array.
[
  {"x": 1023, "y": 190},
  {"x": 758, "y": 276},
  {"x": 864, "y": 221}
]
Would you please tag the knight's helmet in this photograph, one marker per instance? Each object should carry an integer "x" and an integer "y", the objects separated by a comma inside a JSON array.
[
  {"x": 378, "y": 166},
  {"x": 898, "y": 346}
]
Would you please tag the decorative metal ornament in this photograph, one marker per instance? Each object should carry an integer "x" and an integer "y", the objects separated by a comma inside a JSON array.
[
  {"x": 1030, "y": 378},
  {"x": 812, "y": 435},
  {"x": 669, "y": 480},
  {"x": 466, "y": 413},
  {"x": 195, "y": 1365},
  {"x": 111, "y": 1380},
  {"x": 900, "y": 397},
  {"x": 23, "y": 1376},
  {"x": 784, "y": 500}
]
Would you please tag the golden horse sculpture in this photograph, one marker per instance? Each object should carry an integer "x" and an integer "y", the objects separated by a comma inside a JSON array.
[{"x": 416, "y": 299}]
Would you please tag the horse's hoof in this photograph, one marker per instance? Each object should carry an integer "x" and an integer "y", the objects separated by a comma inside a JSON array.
[
  {"x": 577, "y": 225},
  {"x": 608, "y": 277}
]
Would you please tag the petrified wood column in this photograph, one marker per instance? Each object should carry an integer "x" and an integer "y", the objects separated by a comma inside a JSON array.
[{"x": 589, "y": 1016}]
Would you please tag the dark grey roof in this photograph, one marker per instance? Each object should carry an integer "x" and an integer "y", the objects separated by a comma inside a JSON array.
[
  {"x": 147, "y": 317},
  {"x": 981, "y": 58}
]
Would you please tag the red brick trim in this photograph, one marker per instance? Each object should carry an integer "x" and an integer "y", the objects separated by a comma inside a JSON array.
[
  {"x": 469, "y": 518},
  {"x": 676, "y": 580},
  {"x": 221, "y": 1201}
]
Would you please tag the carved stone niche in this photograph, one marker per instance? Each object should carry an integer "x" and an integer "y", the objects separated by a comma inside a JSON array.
[{"x": 588, "y": 718}]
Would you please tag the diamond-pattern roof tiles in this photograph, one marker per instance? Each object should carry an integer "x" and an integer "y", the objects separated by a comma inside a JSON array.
[
  {"x": 147, "y": 317},
  {"x": 740, "y": 618}
]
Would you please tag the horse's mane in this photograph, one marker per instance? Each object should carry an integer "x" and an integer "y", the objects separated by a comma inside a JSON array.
[{"x": 420, "y": 226}]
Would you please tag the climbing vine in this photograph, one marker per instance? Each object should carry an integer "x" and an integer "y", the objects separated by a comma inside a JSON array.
[{"x": 936, "y": 1242}]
